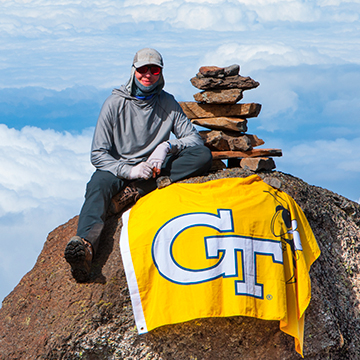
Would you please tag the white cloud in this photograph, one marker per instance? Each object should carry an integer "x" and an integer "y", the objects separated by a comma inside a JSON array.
[
  {"x": 128, "y": 3},
  {"x": 293, "y": 11},
  {"x": 32, "y": 19},
  {"x": 43, "y": 162},
  {"x": 212, "y": 17},
  {"x": 60, "y": 44},
  {"x": 263, "y": 54},
  {"x": 307, "y": 101},
  {"x": 331, "y": 164},
  {"x": 43, "y": 175},
  {"x": 341, "y": 154}
]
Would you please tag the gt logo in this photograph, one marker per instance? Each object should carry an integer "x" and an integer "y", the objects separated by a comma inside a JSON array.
[{"x": 222, "y": 247}]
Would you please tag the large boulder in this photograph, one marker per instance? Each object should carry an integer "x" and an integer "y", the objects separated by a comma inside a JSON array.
[{"x": 50, "y": 316}]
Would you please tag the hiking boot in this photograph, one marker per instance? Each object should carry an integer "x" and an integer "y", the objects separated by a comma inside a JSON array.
[
  {"x": 129, "y": 195},
  {"x": 79, "y": 254},
  {"x": 163, "y": 181}
]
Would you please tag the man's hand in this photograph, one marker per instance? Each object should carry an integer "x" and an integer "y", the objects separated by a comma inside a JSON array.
[
  {"x": 141, "y": 171},
  {"x": 157, "y": 157}
]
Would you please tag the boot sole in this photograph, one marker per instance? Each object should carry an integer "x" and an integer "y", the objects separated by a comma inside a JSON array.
[{"x": 75, "y": 256}]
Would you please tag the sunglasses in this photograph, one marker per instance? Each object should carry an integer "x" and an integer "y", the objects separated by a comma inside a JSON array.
[{"x": 155, "y": 70}]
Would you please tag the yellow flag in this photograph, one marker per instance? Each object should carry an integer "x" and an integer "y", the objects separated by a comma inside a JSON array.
[{"x": 222, "y": 248}]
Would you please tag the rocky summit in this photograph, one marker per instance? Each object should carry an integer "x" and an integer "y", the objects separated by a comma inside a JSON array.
[{"x": 50, "y": 316}]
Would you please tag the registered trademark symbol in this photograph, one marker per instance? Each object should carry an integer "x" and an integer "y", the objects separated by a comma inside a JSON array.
[{"x": 269, "y": 297}]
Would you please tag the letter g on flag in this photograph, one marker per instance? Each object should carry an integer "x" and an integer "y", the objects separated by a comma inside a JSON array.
[{"x": 226, "y": 245}]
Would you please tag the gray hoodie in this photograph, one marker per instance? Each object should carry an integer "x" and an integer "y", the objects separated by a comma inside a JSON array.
[{"x": 129, "y": 129}]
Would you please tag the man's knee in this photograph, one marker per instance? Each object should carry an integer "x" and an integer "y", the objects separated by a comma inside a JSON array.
[
  {"x": 202, "y": 156},
  {"x": 205, "y": 154},
  {"x": 104, "y": 182}
]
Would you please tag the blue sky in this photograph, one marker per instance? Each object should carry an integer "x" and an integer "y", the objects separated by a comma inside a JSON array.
[{"x": 59, "y": 60}]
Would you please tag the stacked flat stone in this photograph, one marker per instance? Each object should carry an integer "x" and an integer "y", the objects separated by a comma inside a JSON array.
[{"x": 216, "y": 108}]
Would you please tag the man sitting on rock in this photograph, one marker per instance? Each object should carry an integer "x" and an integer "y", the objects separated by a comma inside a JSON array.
[{"x": 133, "y": 153}]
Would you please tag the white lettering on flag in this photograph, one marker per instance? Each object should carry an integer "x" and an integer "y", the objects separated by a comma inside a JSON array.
[{"x": 222, "y": 247}]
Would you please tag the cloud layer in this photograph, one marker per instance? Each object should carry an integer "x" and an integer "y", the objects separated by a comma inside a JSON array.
[
  {"x": 42, "y": 183},
  {"x": 67, "y": 43},
  {"x": 64, "y": 17}
]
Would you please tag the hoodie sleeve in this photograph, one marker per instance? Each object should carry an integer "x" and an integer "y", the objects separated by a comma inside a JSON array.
[
  {"x": 185, "y": 132},
  {"x": 102, "y": 153}
]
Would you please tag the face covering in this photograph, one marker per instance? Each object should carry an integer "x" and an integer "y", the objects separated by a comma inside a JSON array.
[{"x": 144, "y": 92}]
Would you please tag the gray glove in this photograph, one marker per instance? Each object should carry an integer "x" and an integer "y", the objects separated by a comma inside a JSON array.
[
  {"x": 141, "y": 171},
  {"x": 157, "y": 157}
]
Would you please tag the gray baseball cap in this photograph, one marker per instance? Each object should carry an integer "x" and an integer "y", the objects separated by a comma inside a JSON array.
[{"x": 148, "y": 56}]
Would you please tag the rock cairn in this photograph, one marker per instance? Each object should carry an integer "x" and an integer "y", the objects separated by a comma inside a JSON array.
[{"x": 216, "y": 108}]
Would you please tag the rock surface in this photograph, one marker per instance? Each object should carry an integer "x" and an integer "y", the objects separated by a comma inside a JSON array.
[
  {"x": 226, "y": 96},
  {"x": 222, "y": 123},
  {"x": 245, "y": 154},
  {"x": 194, "y": 110},
  {"x": 230, "y": 82},
  {"x": 50, "y": 316},
  {"x": 257, "y": 164},
  {"x": 224, "y": 141},
  {"x": 219, "y": 72},
  {"x": 229, "y": 140}
]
